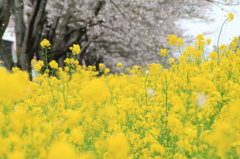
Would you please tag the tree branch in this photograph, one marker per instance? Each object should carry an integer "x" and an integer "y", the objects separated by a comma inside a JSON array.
[
  {"x": 113, "y": 29},
  {"x": 124, "y": 16},
  {"x": 24, "y": 57},
  {"x": 39, "y": 21},
  {"x": 20, "y": 27},
  {"x": 228, "y": 4},
  {"x": 98, "y": 7}
]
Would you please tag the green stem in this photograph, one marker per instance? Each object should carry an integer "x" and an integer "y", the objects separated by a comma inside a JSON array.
[
  {"x": 146, "y": 96},
  {"x": 198, "y": 128},
  {"x": 46, "y": 57},
  {"x": 219, "y": 39},
  {"x": 166, "y": 61},
  {"x": 67, "y": 95},
  {"x": 166, "y": 98},
  {"x": 204, "y": 56},
  {"x": 63, "y": 92},
  {"x": 51, "y": 91},
  {"x": 179, "y": 50}
]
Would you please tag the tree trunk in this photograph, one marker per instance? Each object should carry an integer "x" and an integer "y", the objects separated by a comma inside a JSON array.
[
  {"x": 33, "y": 34},
  {"x": 8, "y": 62},
  {"x": 20, "y": 27},
  {"x": 5, "y": 12}
]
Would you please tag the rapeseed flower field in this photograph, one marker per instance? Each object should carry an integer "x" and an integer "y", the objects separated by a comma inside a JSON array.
[{"x": 188, "y": 110}]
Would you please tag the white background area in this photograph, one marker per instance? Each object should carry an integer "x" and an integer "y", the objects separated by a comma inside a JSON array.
[
  {"x": 212, "y": 29},
  {"x": 9, "y": 35}
]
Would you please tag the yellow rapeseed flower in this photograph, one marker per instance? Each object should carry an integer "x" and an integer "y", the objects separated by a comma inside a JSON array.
[
  {"x": 230, "y": 16},
  {"x": 197, "y": 54},
  {"x": 157, "y": 148},
  {"x": 200, "y": 37},
  {"x": 41, "y": 63},
  {"x": 53, "y": 64},
  {"x": 180, "y": 42},
  {"x": 101, "y": 66},
  {"x": 45, "y": 44},
  {"x": 33, "y": 61},
  {"x": 12, "y": 85},
  {"x": 118, "y": 146},
  {"x": 37, "y": 67},
  {"x": 171, "y": 61},
  {"x": 95, "y": 90},
  {"x": 15, "y": 69},
  {"x": 106, "y": 70},
  {"x": 119, "y": 65},
  {"x": 172, "y": 39},
  {"x": 66, "y": 68},
  {"x": 76, "y": 62},
  {"x": 208, "y": 41},
  {"x": 163, "y": 52},
  {"x": 67, "y": 61},
  {"x": 75, "y": 49},
  {"x": 223, "y": 47},
  {"x": 234, "y": 43},
  {"x": 213, "y": 55},
  {"x": 123, "y": 116},
  {"x": 61, "y": 151}
]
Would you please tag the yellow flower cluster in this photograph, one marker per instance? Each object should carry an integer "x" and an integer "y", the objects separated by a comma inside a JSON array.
[
  {"x": 196, "y": 51},
  {"x": 12, "y": 85},
  {"x": 71, "y": 65},
  {"x": 101, "y": 66},
  {"x": 213, "y": 55},
  {"x": 235, "y": 43},
  {"x": 15, "y": 69},
  {"x": 119, "y": 65},
  {"x": 53, "y": 64},
  {"x": 163, "y": 52},
  {"x": 174, "y": 40},
  {"x": 75, "y": 49},
  {"x": 201, "y": 41},
  {"x": 171, "y": 61},
  {"x": 230, "y": 16},
  {"x": 190, "y": 110},
  {"x": 45, "y": 44},
  {"x": 103, "y": 69},
  {"x": 38, "y": 65}
]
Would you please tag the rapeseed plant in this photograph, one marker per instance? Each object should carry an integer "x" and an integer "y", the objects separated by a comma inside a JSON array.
[
  {"x": 189, "y": 110},
  {"x": 75, "y": 49}
]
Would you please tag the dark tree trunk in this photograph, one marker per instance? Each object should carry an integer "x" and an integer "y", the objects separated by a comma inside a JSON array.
[
  {"x": 20, "y": 27},
  {"x": 5, "y": 12},
  {"x": 8, "y": 62},
  {"x": 29, "y": 43}
]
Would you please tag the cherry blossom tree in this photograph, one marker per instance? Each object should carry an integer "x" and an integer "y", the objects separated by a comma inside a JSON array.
[{"x": 131, "y": 32}]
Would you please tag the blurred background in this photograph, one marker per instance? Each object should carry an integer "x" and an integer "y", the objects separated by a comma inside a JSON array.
[
  {"x": 212, "y": 29},
  {"x": 109, "y": 31}
]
